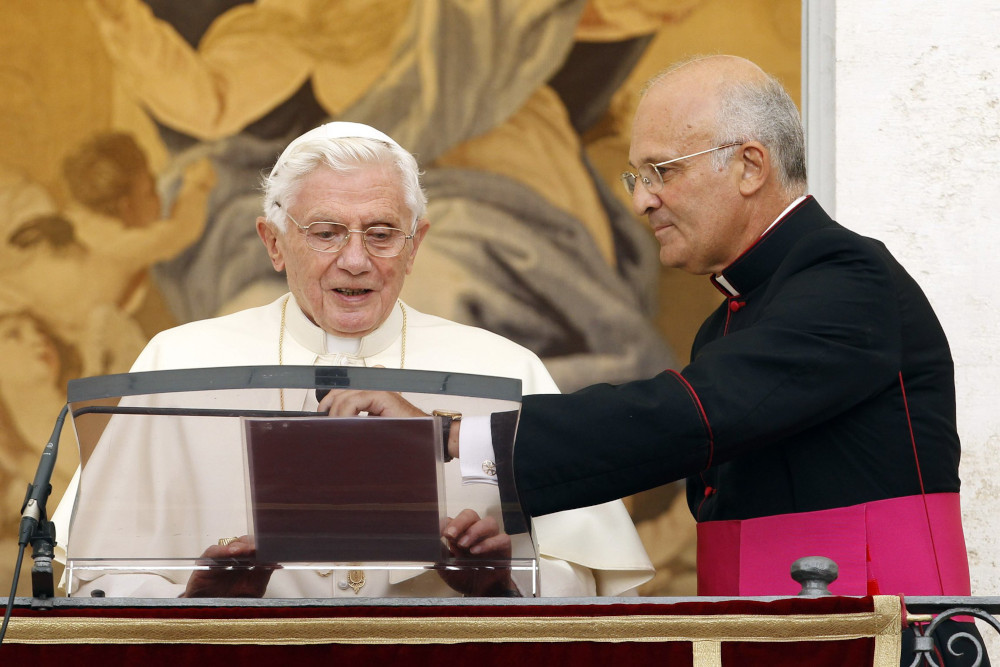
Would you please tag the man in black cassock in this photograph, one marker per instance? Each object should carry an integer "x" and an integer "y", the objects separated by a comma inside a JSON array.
[{"x": 817, "y": 415}]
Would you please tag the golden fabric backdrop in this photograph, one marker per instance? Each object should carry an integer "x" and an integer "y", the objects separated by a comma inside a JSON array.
[{"x": 134, "y": 133}]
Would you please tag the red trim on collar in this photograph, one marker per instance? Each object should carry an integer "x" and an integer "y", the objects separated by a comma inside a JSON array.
[
  {"x": 750, "y": 247},
  {"x": 714, "y": 279}
]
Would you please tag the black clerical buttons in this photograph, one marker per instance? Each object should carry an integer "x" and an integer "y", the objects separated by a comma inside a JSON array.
[{"x": 447, "y": 417}]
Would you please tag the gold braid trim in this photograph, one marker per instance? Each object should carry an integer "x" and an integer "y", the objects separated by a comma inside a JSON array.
[
  {"x": 706, "y": 654},
  {"x": 889, "y": 641},
  {"x": 883, "y": 623}
]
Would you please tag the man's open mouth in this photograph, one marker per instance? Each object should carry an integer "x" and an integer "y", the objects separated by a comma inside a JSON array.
[{"x": 351, "y": 292}]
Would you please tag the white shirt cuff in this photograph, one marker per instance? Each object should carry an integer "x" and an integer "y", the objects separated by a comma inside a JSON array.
[{"x": 477, "y": 460}]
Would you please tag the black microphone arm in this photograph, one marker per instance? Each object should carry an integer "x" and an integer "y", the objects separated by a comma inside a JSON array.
[
  {"x": 35, "y": 525},
  {"x": 33, "y": 510}
]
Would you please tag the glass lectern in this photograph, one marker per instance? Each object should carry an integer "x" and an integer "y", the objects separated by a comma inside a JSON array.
[{"x": 174, "y": 462}]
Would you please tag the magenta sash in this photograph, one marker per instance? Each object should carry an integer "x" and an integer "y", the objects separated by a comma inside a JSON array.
[{"x": 912, "y": 545}]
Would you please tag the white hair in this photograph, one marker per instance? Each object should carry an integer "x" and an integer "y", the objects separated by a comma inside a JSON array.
[{"x": 342, "y": 155}]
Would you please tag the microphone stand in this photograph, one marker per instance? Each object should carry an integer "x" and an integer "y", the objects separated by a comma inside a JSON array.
[
  {"x": 38, "y": 530},
  {"x": 35, "y": 527}
]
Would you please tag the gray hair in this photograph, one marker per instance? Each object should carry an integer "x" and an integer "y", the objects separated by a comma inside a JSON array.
[
  {"x": 762, "y": 110},
  {"x": 342, "y": 155}
]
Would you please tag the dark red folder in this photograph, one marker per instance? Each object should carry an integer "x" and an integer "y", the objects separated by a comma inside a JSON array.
[{"x": 336, "y": 490}]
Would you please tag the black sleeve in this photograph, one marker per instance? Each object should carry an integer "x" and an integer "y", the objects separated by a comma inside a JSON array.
[
  {"x": 606, "y": 442},
  {"x": 821, "y": 337},
  {"x": 503, "y": 426}
]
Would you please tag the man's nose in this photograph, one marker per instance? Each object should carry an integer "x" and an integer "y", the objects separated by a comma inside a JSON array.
[
  {"x": 643, "y": 202},
  {"x": 354, "y": 257}
]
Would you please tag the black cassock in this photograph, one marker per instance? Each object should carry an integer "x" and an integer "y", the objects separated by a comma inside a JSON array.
[
  {"x": 800, "y": 395},
  {"x": 823, "y": 381}
]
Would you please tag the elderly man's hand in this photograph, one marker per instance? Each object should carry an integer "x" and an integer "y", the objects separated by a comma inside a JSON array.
[
  {"x": 351, "y": 402},
  {"x": 232, "y": 572},
  {"x": 470, "y": 538}
]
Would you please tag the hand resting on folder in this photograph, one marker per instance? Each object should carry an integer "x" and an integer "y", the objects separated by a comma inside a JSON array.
[
  {"x": 233, "y": 571},
  {"x": 469, "y": 536},
  {"x": 352, "y": 402}
]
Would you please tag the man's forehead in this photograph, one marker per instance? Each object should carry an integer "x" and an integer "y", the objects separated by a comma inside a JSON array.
[
  {"x": 658, "y": 142},
  {"x": 360, "y": 180},
  {"x": 374, "y": 189},
  {"x": 668, "y": 121}
]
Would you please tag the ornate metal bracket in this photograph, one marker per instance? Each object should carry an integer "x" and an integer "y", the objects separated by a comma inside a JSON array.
[
  {"x": 923, "y": 642},
  {"x": 816, "y": 573}
]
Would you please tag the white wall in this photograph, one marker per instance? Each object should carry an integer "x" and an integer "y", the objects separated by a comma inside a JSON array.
[{"x": 917, "y": 137}]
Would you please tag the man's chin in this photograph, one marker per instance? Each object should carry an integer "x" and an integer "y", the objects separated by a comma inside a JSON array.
[
  {"x": 670, "y": 259},
  {"x": 345, "y": 332},
  {"x": 349, "y": 327}
]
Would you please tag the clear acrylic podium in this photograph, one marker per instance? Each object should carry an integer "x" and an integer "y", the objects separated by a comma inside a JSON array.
[{"x": 174, "y": 461}]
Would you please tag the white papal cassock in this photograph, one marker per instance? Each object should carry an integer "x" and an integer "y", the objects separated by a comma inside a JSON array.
[{"x": 588, "y": 551}]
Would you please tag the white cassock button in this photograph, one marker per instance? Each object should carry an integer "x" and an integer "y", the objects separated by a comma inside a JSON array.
[{"x": 490, "y": 468}]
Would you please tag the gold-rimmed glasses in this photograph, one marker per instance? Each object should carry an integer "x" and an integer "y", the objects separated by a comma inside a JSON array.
[
  {"x": 652, "y": 177},
  {"x": 378, "y": 240}
]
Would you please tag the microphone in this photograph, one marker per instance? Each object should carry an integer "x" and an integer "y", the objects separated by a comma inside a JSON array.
[{"x": 33, "y": 510}]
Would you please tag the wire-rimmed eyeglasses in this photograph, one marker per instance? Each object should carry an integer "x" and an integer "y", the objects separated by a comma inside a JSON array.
[
  {"x": 379, "y": 240},
  {"x": 651, "y": 176}
]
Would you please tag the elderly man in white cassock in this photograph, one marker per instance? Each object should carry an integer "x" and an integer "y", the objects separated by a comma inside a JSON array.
[{"x": 344, "y": 216}]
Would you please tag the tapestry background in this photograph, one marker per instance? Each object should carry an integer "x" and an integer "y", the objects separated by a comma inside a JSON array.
[{"x": 132, "y": 148}]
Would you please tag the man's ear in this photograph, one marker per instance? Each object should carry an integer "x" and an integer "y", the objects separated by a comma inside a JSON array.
[
  {"x": 423, "y": 224},
  {"x": 267, "y": 234},
  {"x": 756, "y": 167}
]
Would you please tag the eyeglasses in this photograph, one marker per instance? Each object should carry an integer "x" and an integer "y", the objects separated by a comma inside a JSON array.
[
  {"x": 379, "y": 240},
  {"x": 652, "y": 177}
]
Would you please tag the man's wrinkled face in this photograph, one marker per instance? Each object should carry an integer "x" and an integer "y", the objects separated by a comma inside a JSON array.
[
  {"x": 696, "y": 216},
  {"x": 347, "y": 293}
]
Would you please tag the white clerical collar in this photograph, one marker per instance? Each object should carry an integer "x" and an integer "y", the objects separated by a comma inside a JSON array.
[
  {"x": 320, "y": 342},
  {"x": 720, "y": 280}
]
